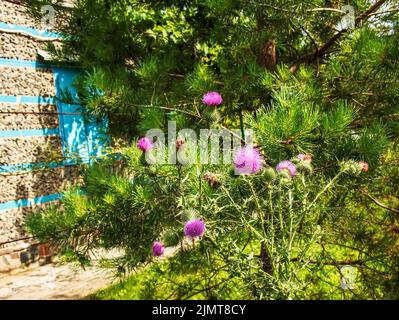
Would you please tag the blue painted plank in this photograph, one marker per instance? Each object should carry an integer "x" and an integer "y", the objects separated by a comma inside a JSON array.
[
  {"x": 72, "y": 127},
  {"x": 29, "y": 202},
  {"x": 64, "y": 79},
  {"x": 12, "y": 168},
  {"x": 85, "y": 137},
  {"x": 75, "y": 137},
  {"x": 100, "y": 140},
  {"x": 28, "y": 133},
  {"x": 23, "y": 63},
  {"x": 32, "y": 64},
  {"x": 27, "y": 99},
  {"x": 44, "y": 34}
]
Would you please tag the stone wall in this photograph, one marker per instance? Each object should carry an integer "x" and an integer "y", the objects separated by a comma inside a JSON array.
[
  {"x": 30, "y": 138},
  {"x": 28, "y": 116},
  {"x": 30, "y": 149},
  {"x": 11, "y": 222},
  {"x": 19, "y": 46},
  {"x": 14, "y": 13},
  {"x": 29, "y": 184},
  {"x": 26, "y": 82},
  {"x": 19, "y": 248}
]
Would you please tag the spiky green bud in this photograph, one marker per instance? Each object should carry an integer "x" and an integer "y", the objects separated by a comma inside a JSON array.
[
  {"x": 351, "y": 166},
  {"x": 212, "y": 116},
  {"x": 270, "y": 174},
  {"x": 304, "y": 166},
  {"x": 171, "y": 238},
  {"x": 189, "y": 214},
  {"x": 284, "y": 176}
]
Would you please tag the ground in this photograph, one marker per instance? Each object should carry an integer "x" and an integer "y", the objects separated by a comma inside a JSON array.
[
  {"x": 60, "y": 281},
  {"x": 53, "y": 281}
]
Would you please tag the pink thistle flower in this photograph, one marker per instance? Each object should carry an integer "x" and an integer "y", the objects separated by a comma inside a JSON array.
[
  {"x": 304, "y": 157},
  {"x": 158, "y": 249},
  {"x": 194, "y": 228},
  {"x": 248, "y": 160},
  {"x": 145, "y": 144},
  {"x": 212, "y": 98},
  {"x": 287, "y": 165},
  {"x": 364, "y": 165}
]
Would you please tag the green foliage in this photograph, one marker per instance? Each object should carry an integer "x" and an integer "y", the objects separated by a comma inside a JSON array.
[
  {"x": 176, "y": 279},
  {"x": 290, "y": 121},
  {"x": 283, "y": 71}
]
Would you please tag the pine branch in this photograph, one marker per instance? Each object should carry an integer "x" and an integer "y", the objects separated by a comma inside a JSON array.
[
  {"x": 182, "y": 77},
  {"x": 332, "y": 263},
  {"x": 321, "y": 51},
  {"x": 378, "y": 203}
]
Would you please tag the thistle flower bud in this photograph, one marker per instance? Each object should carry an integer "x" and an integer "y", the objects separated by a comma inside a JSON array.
[
  {"x": 248, "y": 160},
  {"x": 307, "y": 166},
  {"x": 364, "y": 165},
  {"x": 194, "y": 228},
  {"x": 179, "y": 143},
  {"x": 212, "y": 116},
  {"x": 284, "y": 176},
  {"x": 171, "y": 238},
  {"x": 212, "y": 98},
  {"x": 304, "y": 166},
  {"x": 351, "y": 167},
  {"x": 286, "y": 166},
  {"x": 212, "y": 179},
  {"x": 158, "y": 249},
  {"x": 145, "y": 144},
  {"x": 270, "y": 174},
  {"x": 304, "y": 157}
]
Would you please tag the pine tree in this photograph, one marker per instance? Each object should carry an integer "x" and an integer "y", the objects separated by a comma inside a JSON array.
[{"x": 306, "y": 78}]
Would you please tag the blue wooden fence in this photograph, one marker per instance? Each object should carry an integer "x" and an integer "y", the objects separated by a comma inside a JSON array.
[{"x": 82, "y": 140}]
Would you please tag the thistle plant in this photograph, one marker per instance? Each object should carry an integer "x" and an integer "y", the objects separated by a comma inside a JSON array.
[
  {"x": 262, "y": 225},
  {"x": 314, "y": 191}
]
